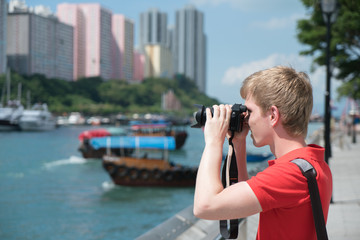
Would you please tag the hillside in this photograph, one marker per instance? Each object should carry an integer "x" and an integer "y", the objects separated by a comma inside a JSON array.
[{"x": 93, "y": 96}]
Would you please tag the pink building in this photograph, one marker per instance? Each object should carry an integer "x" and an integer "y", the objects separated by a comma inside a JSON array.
[
  {"x": 92, "y": 38},
  {"x": 118, "y": 44},
  {"x": 122, "y": 47},
  {"x": 170, "y": 102},
  {"x": 139, "y": 61},
  {"x": 71, "y": 14}
]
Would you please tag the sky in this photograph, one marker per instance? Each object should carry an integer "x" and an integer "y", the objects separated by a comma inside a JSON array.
[{"x": 243, "y": 36}]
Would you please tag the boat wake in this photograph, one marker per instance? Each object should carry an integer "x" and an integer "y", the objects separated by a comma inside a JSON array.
[
  {"x": 108, "y": 185},
  {"x": 71, "y": 160}
]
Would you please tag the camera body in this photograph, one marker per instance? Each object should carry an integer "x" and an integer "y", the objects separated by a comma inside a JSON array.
[{"x": 236, "y": 119}]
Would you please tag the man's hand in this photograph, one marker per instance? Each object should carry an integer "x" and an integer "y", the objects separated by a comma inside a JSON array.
[{"x": 217, "y": 125}]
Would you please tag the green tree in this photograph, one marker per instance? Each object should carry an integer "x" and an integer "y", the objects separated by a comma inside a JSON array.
[
  {"x": 345, "y": 42},
  {"x": 88, "y": 87},
  {"x": 94, "y": 96}
]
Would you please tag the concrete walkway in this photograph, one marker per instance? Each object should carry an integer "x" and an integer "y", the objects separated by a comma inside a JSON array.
[{"x": 344, "y": 214}]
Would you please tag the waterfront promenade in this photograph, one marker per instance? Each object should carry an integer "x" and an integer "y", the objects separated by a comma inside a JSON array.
[{"x": 344, "y": 213}]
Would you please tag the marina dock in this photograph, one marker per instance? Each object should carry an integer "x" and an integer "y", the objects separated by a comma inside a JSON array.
[{"x": 344, "y": 214}]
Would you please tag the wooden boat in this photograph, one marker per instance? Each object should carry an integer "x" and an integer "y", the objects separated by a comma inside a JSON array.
[
  {"x": 160, "y": 129},
  {"x": 141, "y": 169},
  {"x": 138, "y": 129},
  {"x": 88, "y": 151}
]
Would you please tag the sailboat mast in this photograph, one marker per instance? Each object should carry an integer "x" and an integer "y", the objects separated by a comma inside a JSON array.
[
  {"x": 28, "y": 99},
  {"x": 8, "y": 83},
  {"x": 19, "y": 92},
  {"x": 2, "y": 96}
]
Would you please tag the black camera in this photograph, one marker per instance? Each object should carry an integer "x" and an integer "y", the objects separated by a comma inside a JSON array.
[{"x": 236, "y": 119}]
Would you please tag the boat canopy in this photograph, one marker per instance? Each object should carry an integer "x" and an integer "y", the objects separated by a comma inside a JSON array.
[
  {"x": 117, "y": 131},
  {"x": 149, "y": 126},
  {"x": 148, "y": 142},
  {"x": 102, "y": 132}
]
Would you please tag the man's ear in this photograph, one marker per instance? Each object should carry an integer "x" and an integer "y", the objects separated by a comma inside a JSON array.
[{"x": 274, "y": 116}]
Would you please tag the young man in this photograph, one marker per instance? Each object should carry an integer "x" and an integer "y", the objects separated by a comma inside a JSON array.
[{"x": 279, "y": 102}]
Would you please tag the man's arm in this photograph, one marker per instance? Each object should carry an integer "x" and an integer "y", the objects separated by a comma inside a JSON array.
[
  {"x": 240, "y": 153},
  {"x": 211, "y": 200}
]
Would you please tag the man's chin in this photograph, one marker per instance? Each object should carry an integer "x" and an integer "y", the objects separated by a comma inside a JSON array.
[
  {"x": 253, "y": 140},
  {"x": 256, "y": 144}
]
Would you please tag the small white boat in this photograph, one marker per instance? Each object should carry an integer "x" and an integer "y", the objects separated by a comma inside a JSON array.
[
  {"x": 11, "y": 111},
  {"x": 38, "y": 118},
  {"x": 10, "y": 115},
  {"x": 76, "y": 118},
  {"x": 62, "y": 121}
]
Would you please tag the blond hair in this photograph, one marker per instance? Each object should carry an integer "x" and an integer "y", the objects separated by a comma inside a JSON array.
[{"x": 288, "y": 90}]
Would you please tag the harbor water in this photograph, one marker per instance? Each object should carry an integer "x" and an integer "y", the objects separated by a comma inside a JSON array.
[{"x": 48, "y": 191}]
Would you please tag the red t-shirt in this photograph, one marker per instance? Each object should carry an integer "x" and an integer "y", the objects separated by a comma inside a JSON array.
[{"x": 283, "y": 194}]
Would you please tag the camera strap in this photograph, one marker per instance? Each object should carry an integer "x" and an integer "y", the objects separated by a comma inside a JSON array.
[
  {"x": 229, "y": 228},
  {"x": 309, "y": 172}
]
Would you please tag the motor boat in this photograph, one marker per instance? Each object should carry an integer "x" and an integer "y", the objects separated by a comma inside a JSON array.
[{"x": 38, "y": 118}]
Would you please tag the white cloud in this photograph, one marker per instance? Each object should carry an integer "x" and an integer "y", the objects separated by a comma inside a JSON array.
[
  {"x": 219, "y": 2},
  {"x": 246, "y": 5},
  {"x": 278, "y": 23},
  {"x": 242, "y": 5},
  {"x": 235, "y": 75}
]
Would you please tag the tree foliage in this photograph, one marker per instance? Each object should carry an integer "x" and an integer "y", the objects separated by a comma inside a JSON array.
[
  {"x": 345, "y": 42},
  {"x": 94, "y": 96}
]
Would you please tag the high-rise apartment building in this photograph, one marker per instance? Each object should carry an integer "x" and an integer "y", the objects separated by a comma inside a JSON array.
[
  {"x": 38, "y": 44},
  {"x": 170, "y": 35},
  {"x": 64, "y": 45},
  {"x": 190, "y": 45},
  {"x": 92, "y": 38},
  {"x": 158, "y": 60},
  {"x": 155, "y": 43},
  {"x": 139, "y": 64},
  {"x": 122, "y": 47},
  {"x": 3, "y": 33},
  {"x": 153, "y": 28}
]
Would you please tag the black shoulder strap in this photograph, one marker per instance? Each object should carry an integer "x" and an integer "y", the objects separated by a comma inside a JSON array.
[
  {"x": 309, "y": 172},
  {"x": 229, "y": 228}
]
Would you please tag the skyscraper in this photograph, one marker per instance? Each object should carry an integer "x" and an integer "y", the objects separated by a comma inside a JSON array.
[
  {"x": 158, "y": 61},
  {"x": 64, "y": 51},
  {"x": 92, "y": 38},
  {"x": 190, "y": 45},
  {"x": 153, "y": 28},
  {"x": 39, "y": 44},
  {"x": 154, "y": 44},
  {"x": 122, "y": 47},
  {"x": 3, "y": 24},
  {"x": 138, "y": 66}
]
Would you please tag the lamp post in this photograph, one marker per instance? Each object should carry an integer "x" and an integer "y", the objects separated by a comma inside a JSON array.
[{"x": 328, "y": 8}]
